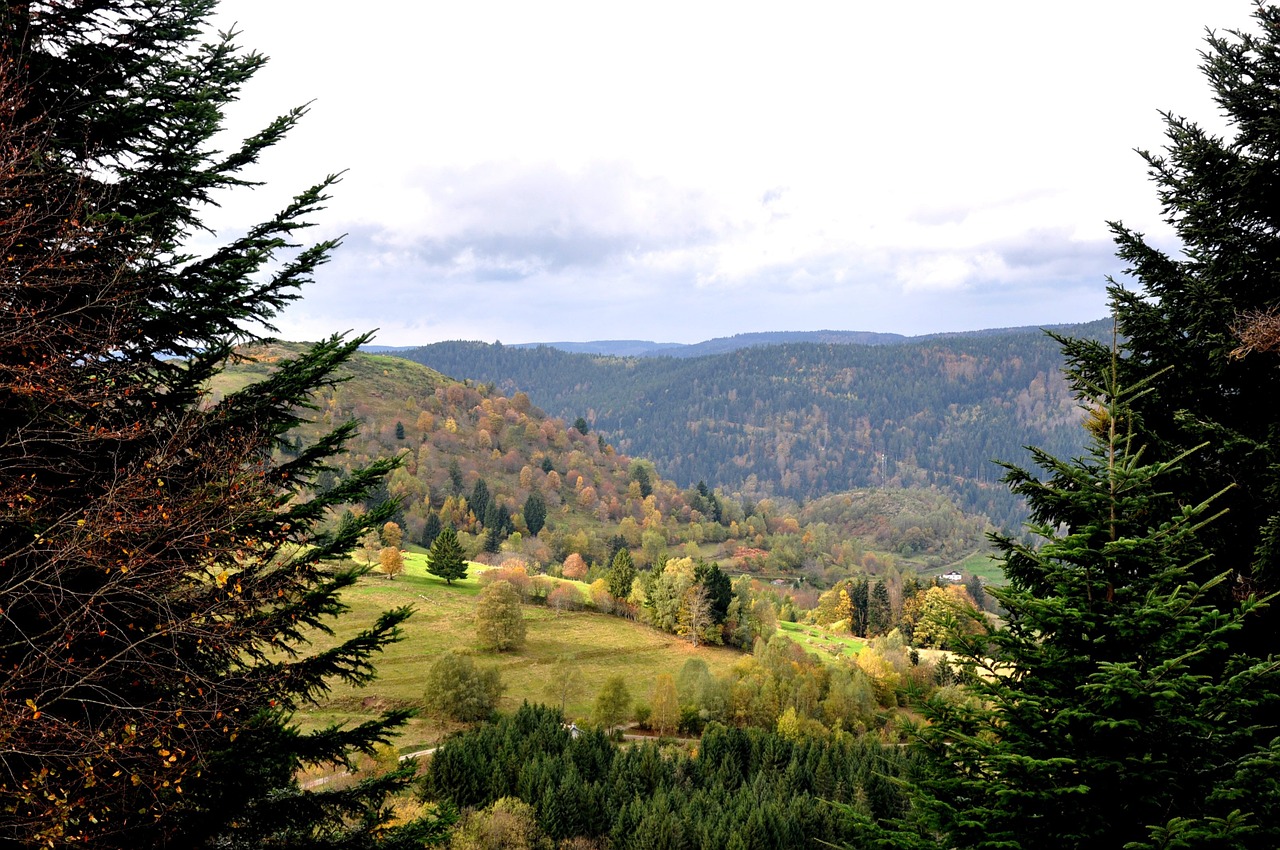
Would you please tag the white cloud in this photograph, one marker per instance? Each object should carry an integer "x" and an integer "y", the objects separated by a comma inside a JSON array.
[{"x": 572, "y": 170}]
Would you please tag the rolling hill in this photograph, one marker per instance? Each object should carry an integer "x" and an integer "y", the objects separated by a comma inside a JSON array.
[{"x": 804, "y": 419}]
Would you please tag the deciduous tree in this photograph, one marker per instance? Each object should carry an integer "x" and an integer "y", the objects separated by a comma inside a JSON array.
[
  {"x": 457, "y": 689},
  {"x": 391, "y": 561},
  {"x": 564, "y": 681},
  {"x": 392, "y": 535},
  {"x": 664, "y": 707},
  {"x": 499, "y": 620},
  {"x": 613, "y": 703},
  {"x": 574, "y": 567},
  {"x": 694, "y": 620}
]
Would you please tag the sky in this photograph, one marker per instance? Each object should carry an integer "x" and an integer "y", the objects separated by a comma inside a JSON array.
[{"x": 682, "y": 171}]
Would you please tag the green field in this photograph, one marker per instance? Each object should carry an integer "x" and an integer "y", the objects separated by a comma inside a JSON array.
[
  {"x": 600, "y": 645},
  {"x": 980, "y": 564},
  {"x": 825, "y": 644}
]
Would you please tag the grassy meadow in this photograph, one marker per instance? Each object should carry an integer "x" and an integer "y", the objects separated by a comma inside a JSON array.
[
  {"x": 599, "y": 645},
  {"x": 980, "y": 564},
  {"x": 823, "y": 643}
]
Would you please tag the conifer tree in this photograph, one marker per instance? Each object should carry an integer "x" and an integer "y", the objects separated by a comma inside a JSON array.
[
  {"x": 535, "y": 513},
  {"x": 1111, "y": 707},
  {"x": 480, "y": 501},
  {"x": 880, "y": 610},
  {"x": 1181, "y": 324},
  {"x": 446, "y": 558},
  {"x": 158, "y": 572},
  {"x": 492, "y": 539},
  {"x": 431, "y": 529},
  {"x": 622, "y": 573},
  {"x": 719, "y": 588}
]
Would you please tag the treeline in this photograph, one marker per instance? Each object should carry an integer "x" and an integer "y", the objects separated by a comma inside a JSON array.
[
  {"x": 742, "y": 789},
  {"x": 806, "y": 420}
]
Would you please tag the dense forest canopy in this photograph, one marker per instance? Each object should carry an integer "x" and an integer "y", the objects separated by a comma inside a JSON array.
[{"x": 804, "y": 420}]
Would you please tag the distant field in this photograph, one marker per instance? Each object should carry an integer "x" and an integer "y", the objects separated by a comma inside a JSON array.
[
  {"x": 600, "y": 645},
  {"x": 979, "y": 563},
  {"x": 983, "y": 566},
  {"x": 825, "y": 644}
]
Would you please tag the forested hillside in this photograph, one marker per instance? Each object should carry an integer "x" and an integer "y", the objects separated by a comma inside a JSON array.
[
  {"x": 805, "y": 420},
  {"x": 473, "y": 458}
]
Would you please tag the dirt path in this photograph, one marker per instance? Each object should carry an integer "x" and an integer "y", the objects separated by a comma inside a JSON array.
[{"x": 325, "y": 780}]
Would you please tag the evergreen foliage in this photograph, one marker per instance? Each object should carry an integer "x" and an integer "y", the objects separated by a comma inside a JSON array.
[
  {"x": 744, "y": 789},
  {"x": 1180, "y": 327},
  {"x": 1131, "y": 699},
  {"x": 719, "y": 589},
  {"x": 1111, "y": 708},
  {"x": 446, "y": 558},
  {"x": 431, "y": 529},
  {"x": 159, "y": 573},
  {"x": 880, "y": 610},
  {"x": 479, "y": 501},
  {"x": 622, "y": 573},
  {"x": 535, "y": 513},
  {"x": 492, "y": 539}
]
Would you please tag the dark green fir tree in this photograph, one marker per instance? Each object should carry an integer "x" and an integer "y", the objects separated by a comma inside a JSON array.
[
  {"x": 1111, "y": 708},
  {"x": 1181, "y": 325},
  {"x": 160, "y": 554},
  {"x": 493, "y": 539},
  {"x": 446, "y": 558},
  {"x": 622, "y": 572},
  {"x": 535, "y": 513},
  {"x": 1131, "y": 698},
  {"x": 480, "y": 501},
  {"x": 431, "y": 529}
]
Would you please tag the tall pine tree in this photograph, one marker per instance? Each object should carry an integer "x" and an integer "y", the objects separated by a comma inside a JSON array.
[
  {"x": 1180, "y": 325},
  {"x": 1131, "y": 697},
  {"x": 1111, "y": 708},
  {"x": 446, "y": 558},
  {"x": 158, "y": 572}
]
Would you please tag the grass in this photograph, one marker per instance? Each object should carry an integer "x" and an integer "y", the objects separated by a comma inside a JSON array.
[
  {"x": 982, "y": 565},
  {"x": 599, "y": 645},
  {"x": 825, "y": 644}
]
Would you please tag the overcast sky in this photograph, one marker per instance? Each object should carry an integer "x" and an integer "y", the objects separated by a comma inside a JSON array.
[{"x": 680, "y": 171}]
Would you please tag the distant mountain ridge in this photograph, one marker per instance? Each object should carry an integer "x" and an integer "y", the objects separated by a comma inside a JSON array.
[
  {"x": 805, "y": 419},
  {"x": 726, "y": 344}
]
